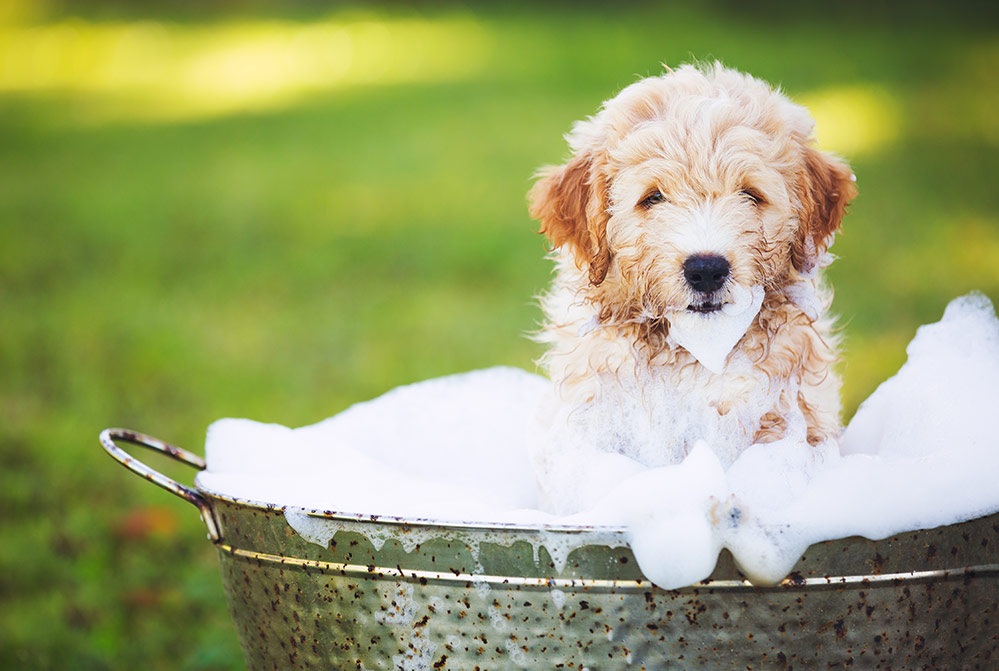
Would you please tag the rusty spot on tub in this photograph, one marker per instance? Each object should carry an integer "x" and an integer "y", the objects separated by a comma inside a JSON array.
[
  {"x": 878, "y": 564},
  {"x": 795, "y": 578}
]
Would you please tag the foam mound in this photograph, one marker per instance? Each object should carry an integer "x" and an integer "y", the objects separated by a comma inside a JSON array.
[
  {"x": 920, "y": 453},
  {"x": 452, "y": 447}
]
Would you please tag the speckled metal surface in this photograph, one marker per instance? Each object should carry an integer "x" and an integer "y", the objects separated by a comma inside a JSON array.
[
  {"x": 397, "y": 594},
  {"x": 902, "y": 603}
]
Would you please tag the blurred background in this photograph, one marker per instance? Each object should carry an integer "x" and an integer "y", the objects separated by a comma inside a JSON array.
[{"x": 276, "y": 210}]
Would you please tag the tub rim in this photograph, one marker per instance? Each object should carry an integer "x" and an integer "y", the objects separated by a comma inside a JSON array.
[{"x": 202, "y": 497}]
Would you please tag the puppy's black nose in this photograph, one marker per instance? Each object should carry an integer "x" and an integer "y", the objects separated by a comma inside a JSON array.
[{"x": 706, "y": 272}]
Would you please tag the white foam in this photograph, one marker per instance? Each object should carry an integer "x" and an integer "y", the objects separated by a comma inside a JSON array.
[
  {"x": 317, "y": 530},
  {"x": 920, "y": 453},
  {"x": 710, "y": 337},
  {"x": 940, "y": 400},
  {"x": 803, "y": 295},
  {"x": 398, "y": 606},
  {"x": 425, "y": 450},
  {"x": 668, "y": 513},
  {"x": 516, "y": 655}
]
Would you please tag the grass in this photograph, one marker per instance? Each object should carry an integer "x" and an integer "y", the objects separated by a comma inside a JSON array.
[{"x": 174, "y": 250}]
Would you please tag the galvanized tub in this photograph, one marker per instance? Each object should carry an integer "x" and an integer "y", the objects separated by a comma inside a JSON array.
[{"x": 350, "y": 591}]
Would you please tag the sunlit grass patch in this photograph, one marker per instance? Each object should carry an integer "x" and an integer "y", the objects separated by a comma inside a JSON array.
[
  {"x": 160, "y": 71},
  {"x": 854, "y": 120}
]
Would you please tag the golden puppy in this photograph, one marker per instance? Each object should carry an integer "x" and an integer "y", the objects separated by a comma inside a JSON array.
[{"x": 688, "y": 196}]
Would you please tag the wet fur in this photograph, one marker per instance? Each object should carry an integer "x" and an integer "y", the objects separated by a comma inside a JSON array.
[{"x": 712, "y": 140}]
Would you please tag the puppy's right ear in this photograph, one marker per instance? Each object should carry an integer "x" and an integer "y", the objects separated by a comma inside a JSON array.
[{"x": 570, "y": 201}]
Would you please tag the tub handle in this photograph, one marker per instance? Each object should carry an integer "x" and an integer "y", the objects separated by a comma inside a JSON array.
[{"x": 108, "y": 438}]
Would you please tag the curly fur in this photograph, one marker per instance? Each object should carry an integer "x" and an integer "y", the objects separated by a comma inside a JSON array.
[{"x": 735, "y": 163}]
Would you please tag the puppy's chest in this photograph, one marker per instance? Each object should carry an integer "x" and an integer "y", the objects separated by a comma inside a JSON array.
[{"x": 658, "y": 414}]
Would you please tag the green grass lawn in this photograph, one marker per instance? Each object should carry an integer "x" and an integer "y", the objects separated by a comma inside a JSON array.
[{"x": 192, "y": 227}]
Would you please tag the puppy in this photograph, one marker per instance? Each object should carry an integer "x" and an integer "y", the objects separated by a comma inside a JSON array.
[{"x": 689, "y": 229}]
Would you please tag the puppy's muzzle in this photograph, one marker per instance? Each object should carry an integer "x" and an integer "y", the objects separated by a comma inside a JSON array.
[{"x": 706, "y": 273}]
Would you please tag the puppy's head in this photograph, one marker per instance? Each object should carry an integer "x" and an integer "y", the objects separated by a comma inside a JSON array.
[{"x": 685, "y": 186}]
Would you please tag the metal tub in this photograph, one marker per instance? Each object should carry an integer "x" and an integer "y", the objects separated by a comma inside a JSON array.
[{"x": 360, "y": 592}]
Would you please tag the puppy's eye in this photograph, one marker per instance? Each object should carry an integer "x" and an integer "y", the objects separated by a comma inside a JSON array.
[
  {"x": 753, "y": 196},
  {"x": 654, "y": 198}
]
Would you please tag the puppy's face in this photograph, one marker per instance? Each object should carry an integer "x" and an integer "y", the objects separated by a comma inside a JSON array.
[{"x": 687, "y": 186}]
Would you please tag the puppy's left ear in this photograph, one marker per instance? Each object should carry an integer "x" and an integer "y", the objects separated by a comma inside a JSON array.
[{"x": 827, "y": 187}]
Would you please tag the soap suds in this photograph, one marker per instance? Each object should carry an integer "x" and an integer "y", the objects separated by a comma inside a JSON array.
[
  {"x": 711, "y": 337},
  {"x": 400, "y": 608},
  {"x": 420, "y": 451},
  {"x": 317, "y": 530},
  {"x": 516, "y": 654},
  {"x": 920, "y": 453}
]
